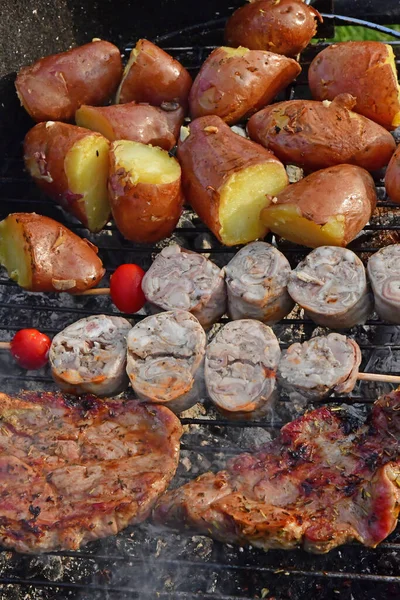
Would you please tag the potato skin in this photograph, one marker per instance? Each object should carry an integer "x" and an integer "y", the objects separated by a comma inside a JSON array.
[
  {"x": 235, "y": 86},
  {"x": 60, "y": 260},
  {"x": 313, "y": 136},
  {"x": 54, "y": 87},
  {"x": 143, "y": 212},
  {"x": 284, "y": 27},
  {"x": 45, "y": 148},
  {"x": 155, "y": 77},
  {"x": 359, "y": 69},
  {"x": 392, "y": 178},
  {"x": 344, "y": 190},
  {"x": 208, "y": 157},
  {"x": 137, "y": 122}
]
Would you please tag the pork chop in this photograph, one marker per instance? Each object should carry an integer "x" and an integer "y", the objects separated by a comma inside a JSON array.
[
  {"x": 327, "y": 479},
  {"x": 74, "y": 470}
]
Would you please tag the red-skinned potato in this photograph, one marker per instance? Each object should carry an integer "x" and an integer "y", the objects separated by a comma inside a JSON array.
[
  {"x": 145, "y": 191},
  {"x": 42, "y": 255},
  {"x": 54, "y": 87},
  {"x": 367, "y": 71},
  {"x": 315, "y": 135},
  {"x": 392, "y": 178},
  {"x": 70, "y": 164},
  {"x": 153, "y": 76},
  {"x": 327, "y": 208},
  {"x": 227, "y": 179},
  {"x": 136, "y": 122},
  {"x": 233, "y": 83},
  {"x": 284, "y": 27}
]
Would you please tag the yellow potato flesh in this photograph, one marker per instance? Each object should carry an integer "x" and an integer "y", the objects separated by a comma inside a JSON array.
[
  {"x": 91, "y": 119},
  {"x": 243, "y": 197},
  {"x": 86, "y": 168},
  {"x": 15, "y": 253},
  {"x": 287, "y": 222},
  {"x": 240, "y": 51},
  {"x": 132, "y": 59},
  {"x": 391, "y": 59},
  {"x": 145, "y": 163}
]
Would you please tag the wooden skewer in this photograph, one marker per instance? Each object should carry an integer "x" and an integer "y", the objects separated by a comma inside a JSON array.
[
  {"x": 95, "y": 292},
  {"x": 360, "y": 377},
  {"x": 378, "y": 377}
]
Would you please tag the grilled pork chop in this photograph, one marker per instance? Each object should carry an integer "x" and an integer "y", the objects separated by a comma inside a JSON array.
[
  {"x": 73, "y": 470},
  {"x": 325, "y": 480}
]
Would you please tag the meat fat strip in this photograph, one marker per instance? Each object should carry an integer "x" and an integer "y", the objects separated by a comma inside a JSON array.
[
  {"x": 331, "y": 285},
  {"x": 240, "y": 368},
  {"x": 315, "y": 369},
  {"x": 180, "y": 279},
  {"x": 89, "y": 356},
  {"x": 165, "y": 359},
  {"x": 384, "y": 274},
  {"x": 256, "y": 281}
]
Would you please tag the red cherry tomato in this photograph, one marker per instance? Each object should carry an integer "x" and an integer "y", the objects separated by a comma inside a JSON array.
[
  {"x": 126, "y": 288},
  {"x": 30, "y": 348}
]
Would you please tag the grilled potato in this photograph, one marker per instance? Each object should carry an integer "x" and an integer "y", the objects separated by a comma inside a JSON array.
[
  {"x": 327, "y": 208},
  {"x": 236, "y": 82},
  {"x": 42, "y": 255},
  {"x": 367, "y": 71},
  {"x": 55, "y": 86},
  {"x": 227, "y": 179},
  {"x": 70, "y": 164},
  {"x": 145, "y": 191}
]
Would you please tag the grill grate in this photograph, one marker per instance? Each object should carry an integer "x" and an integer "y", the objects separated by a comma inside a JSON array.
[{"x": 145, "y": 562}]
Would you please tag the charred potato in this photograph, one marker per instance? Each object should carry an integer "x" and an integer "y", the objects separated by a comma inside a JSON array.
[
  {"x": 327, "y": 208},
  {"x": 284, "y": 27},
  {"x": 70, "y": 164},
  {"x": 227, "y": 179},
  {"x": 54, "y": 87},
  {"x": 153, "y": 76},
  {"x": 42, "y": 255},
  {"x": 136, "y": 122},
  {"x": 145, "y": 191},
  {"x": 236, "y": 82},
  {"x": 315, "y": 135},
  {"x": 367, "y": 71},
  {"x": 392, "y": 178}
]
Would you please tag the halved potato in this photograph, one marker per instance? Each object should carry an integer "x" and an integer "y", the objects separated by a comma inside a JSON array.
[
  {"x": 327, "y": 208},
  {"x": 42, "y": 255},
  {"x": 137, "y": 122},
  {"x": 145, "y": 191},
  {"x": 70, "y": 164},
  {"x": 153, "y": 76},
  {"x": 227, "y": 179},
  {"x": 367, "y": 71}
]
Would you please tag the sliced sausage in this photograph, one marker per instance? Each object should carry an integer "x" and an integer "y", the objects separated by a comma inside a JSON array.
[
  {"x": 331, "y": 286},
  {"x": 90, "y": 356},
  {"x": 240, "y": 367},
  {"x": 256, "y": 281},
  {"x": 317, "y": 368},
  {"x": 181, "y": 279},
  {"x": 384, "y": 274},
  {"x": 165, "y": 359}
]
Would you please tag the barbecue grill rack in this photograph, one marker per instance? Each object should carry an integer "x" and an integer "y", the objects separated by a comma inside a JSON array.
[{"x": 146, "y": 562}]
